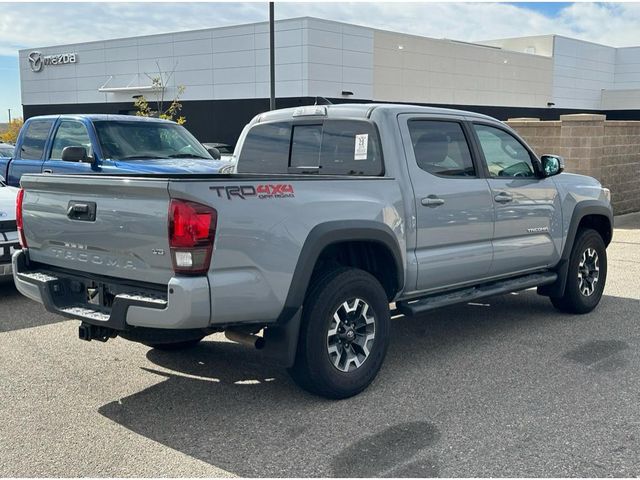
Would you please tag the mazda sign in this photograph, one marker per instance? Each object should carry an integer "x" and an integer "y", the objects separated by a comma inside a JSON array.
[{"x": 37, "y": 60}]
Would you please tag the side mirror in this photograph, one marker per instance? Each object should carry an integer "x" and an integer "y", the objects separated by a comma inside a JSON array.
[
  {"x": 74, "y": 154},
  {"x": 552, "y": 165},
  {"x": 214, "y": 152}
]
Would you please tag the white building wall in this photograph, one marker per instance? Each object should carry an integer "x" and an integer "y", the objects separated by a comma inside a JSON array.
[
  {"x": 317, "y": 57},
  {"x": 585, "y": 75},
  {"x": 314, "y": 58},
  {"x": 581, "y": 71},
  {"x": 221, "y": 63},
  {"x": 627, "y": 72},
  {"x": 339, "y": 58},
  {"x": 537, "y": 45},
  {"x": 418, "y": 69},
  {"x": 621, "y": 99}
]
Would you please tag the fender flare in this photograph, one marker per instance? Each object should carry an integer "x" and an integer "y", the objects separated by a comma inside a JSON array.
[
  {"x": 282, "y": 337},
  {"x": 328, "y": 233},
  {"x": 581, "y": 210}
]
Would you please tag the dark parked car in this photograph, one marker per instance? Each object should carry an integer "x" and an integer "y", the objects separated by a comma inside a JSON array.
[{"x": 224, "y": 148}]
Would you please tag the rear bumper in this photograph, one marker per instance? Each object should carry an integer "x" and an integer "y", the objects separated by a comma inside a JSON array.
[{"x": 185, "y": 304}]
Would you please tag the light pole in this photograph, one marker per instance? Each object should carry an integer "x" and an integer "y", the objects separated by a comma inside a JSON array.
[
  {"x": 9, "y": 115},
  {"x": 272, "y": 59}
]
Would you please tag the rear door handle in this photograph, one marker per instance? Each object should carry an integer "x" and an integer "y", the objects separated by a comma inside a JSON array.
[
  {"x": 47, "y": 170},
  {"x": 503, "y": 197},
  {"x": 432, "y": 201}
]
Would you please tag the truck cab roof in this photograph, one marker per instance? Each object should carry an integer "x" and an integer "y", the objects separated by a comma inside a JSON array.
[
  {"x": 93, "y": 117},
  {"x": 360, "y": 110}
]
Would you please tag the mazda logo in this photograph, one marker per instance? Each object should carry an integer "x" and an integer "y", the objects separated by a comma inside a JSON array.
[{"x": 35, "y": 61}]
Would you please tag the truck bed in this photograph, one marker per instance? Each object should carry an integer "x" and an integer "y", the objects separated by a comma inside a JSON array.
[{"x": 263, "y": 222}]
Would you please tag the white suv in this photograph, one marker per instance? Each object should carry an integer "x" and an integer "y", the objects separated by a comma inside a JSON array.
[{"x": 8, "y": 230}]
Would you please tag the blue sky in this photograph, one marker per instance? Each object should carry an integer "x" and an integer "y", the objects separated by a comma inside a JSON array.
[
  {"x": 27, "y": 25},
  {"x": 9, "y": 87},
  {"x": 546, "y": 8}
]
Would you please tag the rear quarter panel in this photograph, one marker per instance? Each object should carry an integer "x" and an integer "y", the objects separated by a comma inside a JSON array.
[{"x": 259, "y": 238}]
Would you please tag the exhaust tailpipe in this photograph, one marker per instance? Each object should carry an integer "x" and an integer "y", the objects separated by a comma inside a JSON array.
[{"x": 245, "y": 339}]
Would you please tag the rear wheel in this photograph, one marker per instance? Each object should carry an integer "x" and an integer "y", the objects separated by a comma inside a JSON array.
[
  {"x": 586, "y": 275},
  {"x": 344, "y": 334}
]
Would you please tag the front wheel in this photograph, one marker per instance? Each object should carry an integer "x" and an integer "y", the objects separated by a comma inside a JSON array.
[
  {"x": 586, "y": 275},
  {"x": 344, "y": 334}
]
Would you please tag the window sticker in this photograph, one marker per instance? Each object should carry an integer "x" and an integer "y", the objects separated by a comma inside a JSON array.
[{"x": 362, "y": 144}]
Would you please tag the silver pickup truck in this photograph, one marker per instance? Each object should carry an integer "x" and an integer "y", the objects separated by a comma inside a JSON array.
[{"x": 334, "y": 213}]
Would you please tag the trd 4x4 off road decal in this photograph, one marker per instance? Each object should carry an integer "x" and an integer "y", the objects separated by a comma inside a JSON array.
[{"x": 277, "y": 190}]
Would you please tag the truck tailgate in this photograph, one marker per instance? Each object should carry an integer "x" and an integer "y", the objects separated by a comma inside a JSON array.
[{"x": 104, "y": 225}]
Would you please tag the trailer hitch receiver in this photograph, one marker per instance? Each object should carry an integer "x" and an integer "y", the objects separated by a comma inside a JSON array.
[{"x": 89, "y": 332}]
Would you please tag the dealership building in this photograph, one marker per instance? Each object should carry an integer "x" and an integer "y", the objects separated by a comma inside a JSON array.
[{"x": 225, "y": 72}]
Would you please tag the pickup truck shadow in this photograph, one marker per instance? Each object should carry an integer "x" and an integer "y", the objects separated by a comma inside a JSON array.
[{"x": 219, "y": 403}]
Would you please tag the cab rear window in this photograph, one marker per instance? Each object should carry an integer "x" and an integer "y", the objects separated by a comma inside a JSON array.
[
  {"x": 329, "y": 147},
  {"x": 266, "y": 149}
]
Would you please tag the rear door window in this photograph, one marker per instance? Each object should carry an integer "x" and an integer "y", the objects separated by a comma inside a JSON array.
[
  {"x": 35, "y": 139},
  {"x": 441, "y": 148},
  {"x": 350, "y": 148}
]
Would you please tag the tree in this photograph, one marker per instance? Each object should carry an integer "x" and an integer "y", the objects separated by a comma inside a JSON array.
[
  {"x": 159, "y": 82},
  {"x": 11, "y": 134}
]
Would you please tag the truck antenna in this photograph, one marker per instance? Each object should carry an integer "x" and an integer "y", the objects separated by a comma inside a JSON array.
[{"x": 322, "y": 101}]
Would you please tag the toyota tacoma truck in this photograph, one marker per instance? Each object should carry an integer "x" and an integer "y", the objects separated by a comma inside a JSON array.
[
  {"x": 334, "y": 213},
  {"x": 106, "y": 144}
]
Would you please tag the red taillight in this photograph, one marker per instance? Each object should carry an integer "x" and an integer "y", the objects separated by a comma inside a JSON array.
[
  {"x": 19, "y": 219},
  {"x": 192, "y": 230}
]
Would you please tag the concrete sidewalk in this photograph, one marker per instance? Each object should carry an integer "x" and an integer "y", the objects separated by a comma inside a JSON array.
[{"x": 627, "y": 222}]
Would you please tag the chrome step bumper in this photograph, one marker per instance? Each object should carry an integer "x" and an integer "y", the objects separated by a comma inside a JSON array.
[{"x": 184, "y": 303}]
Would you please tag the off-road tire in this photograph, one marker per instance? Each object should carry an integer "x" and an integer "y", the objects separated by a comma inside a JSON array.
[
  {"x": 573, "y": 300},
  {"x": 314, "y": 369}
]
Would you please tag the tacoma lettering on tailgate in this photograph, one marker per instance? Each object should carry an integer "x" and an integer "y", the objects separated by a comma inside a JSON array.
[{"x": 96, "y": 259}]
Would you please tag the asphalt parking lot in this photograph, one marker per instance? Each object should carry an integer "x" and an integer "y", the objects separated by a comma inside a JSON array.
[{"x": 508, "y": 387}]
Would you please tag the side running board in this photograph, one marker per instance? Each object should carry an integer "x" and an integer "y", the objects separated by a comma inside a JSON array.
[{"x": 421, "y": 305}]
